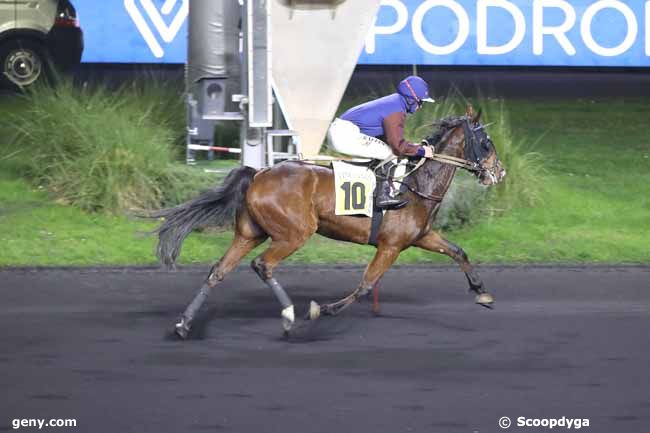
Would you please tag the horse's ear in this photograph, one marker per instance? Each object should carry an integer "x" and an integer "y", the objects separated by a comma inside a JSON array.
[
  {"x": 470, "y": 111},
  {"x": 478, "y": 116}
]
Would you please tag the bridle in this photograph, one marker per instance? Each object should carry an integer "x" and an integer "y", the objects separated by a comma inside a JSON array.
[{"x": 471, "y": 143}]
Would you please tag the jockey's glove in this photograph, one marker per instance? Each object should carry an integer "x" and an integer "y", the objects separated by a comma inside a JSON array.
[{"x": 425, "y": 151}]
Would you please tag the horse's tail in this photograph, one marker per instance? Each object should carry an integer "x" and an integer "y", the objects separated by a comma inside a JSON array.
[{"x": 215, "y": 207}]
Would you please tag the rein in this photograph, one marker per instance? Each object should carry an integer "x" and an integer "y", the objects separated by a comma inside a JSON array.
[
  {"x": 470, "y": 166},
  {"x": 458, "y": 162},
  {"x": 436, "y": 197},
  {"x": 398, "y": 178},
  {"x": 445, "y": 159}
]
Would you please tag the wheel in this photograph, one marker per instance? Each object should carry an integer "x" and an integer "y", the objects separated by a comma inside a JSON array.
[{"x": 24, "y": 62}]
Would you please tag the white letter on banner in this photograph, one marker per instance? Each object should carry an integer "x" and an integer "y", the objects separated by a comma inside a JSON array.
[
  {"x": 402, "y": 18},
  {"x": 481, "y": 27},
  {"x": 647, "y": 28},
  {"x": 632, "y": 28},
  {"x": 463, "y": 27},
  {"x": 539, "y": 30}
]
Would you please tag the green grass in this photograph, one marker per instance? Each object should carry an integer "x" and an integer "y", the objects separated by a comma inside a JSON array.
[
  {"x": 97, "y": 148},
  {"x": 595, "y": 205}
]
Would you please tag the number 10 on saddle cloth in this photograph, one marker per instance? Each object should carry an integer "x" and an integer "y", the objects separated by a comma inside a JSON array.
[{"x": 354, "y": 186}]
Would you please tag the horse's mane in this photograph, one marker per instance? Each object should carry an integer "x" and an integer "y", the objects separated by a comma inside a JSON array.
[
  {"x": 444, "y": 126},
  {"x": 427, "y": 179}
]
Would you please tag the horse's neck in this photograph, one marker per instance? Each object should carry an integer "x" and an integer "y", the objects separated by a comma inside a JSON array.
[{"x": 434, "y": 178}]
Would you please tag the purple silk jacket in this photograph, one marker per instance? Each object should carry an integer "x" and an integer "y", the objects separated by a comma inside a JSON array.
[{"x": 384, "y": 118}]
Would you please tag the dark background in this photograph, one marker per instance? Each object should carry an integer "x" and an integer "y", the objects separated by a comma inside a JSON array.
[{"x": 508, "y": 82}]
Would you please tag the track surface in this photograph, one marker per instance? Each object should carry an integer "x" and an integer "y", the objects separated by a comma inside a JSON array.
[{"x": 94, "y": 345}]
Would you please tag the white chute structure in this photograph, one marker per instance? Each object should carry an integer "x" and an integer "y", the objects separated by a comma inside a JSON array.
[
  {"x": 292, "y": 62},
  {"x": 315, "y": 48}
]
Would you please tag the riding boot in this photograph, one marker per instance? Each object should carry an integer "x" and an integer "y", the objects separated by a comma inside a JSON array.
[{"x": 385, "y": 198}]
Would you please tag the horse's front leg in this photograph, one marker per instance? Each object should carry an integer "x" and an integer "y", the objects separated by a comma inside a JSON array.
[
  {"x": 384, "y": 258},
  {"x": 436, "y": 243}
]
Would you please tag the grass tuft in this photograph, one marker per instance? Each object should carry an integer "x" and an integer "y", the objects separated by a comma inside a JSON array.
[
  {"x": 467, "y": 202},
  {"x": 526, "y": 180},
  {"x": 98, "y": 149}
]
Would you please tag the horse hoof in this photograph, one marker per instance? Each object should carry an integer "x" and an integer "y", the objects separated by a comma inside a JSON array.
[
  {"x": 485, "y": 299},
  {"x": 314, "y": 310},
  {"x": 286, "y": 325},
  {"x": 182, "y": 329}
]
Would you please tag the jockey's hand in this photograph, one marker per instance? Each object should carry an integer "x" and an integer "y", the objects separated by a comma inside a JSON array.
[{"x": 428, "y": 152}]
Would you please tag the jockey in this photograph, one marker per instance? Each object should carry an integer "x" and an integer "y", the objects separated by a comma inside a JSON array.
[{"x": 375, "y": 130}]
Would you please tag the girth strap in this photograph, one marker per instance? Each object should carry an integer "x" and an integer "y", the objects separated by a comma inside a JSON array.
[{"x": 377, "y": 218}]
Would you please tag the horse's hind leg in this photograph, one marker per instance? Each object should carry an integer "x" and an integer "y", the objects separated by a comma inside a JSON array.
[
  {"x": 238, "y": 249},
  {"x": 263, "y": 266},
  {"x": 436, "y": 243}
]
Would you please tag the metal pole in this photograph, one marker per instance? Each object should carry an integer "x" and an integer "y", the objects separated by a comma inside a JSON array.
[{"x": 252, "y": 138}]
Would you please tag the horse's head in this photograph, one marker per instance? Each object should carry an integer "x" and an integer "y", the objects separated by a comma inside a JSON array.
[
  {"x": 479, "y": 149},
  {"x": 471, "y": 147}
]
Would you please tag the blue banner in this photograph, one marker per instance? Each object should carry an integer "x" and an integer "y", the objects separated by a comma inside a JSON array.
[
  {"x": 429, "y": 32},
  {"x": 510, "y": 32},
  {"x": 134, "y": 31}
]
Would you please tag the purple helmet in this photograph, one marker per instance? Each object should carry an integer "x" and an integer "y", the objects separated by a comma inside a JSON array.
[{"x": 415, "y": 90}]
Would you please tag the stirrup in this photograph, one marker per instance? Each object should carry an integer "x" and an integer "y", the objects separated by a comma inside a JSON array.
[{"x": 391, "y": 203}]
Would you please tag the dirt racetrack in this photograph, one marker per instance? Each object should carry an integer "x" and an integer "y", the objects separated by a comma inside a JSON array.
[{"x": 94, "y": 345}]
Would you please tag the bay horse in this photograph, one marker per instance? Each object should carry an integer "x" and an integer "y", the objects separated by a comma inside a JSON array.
[{"x": 293, "y": 200}]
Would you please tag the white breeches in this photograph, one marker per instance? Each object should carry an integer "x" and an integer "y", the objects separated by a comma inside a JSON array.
[{"x": 345, "y": 137}]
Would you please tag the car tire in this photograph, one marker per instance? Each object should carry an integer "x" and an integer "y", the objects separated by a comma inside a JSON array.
[{"x": 23, "y": 63}]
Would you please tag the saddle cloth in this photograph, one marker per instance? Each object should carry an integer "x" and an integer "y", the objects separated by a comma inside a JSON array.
[{"x": 355, "y": 185}]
